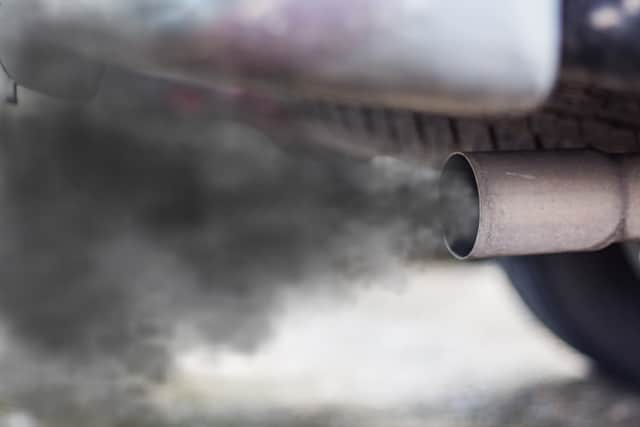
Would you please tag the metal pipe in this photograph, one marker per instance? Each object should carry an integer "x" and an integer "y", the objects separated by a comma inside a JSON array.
[
  {"x": 445, "y": 56},
  {"x": 521, "y": 203}
]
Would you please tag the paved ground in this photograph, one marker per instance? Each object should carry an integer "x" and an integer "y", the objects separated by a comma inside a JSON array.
[{"x": 449, "y": 347}]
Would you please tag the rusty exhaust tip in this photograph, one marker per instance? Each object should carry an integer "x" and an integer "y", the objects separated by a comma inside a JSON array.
[
  {"x": 459, "y": 205},
  {"x": 528, "y": 203}
]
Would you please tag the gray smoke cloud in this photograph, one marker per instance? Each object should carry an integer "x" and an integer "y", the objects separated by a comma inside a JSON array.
[{"x": 126, "y": 233}]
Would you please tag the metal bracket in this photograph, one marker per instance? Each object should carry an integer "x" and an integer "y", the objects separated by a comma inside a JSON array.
[{"x": 8, "y": 86}]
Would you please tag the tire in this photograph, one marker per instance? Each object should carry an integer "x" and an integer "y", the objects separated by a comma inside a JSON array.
[
  {"x": 589, "y": 300},
  {"x": 576, "y": 116}
]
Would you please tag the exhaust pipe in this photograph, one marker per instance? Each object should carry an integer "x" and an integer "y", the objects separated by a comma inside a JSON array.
[{"x": 523, "y": 203}]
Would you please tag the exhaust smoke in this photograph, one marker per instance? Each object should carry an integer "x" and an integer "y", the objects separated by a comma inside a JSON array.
[{"x": 120, "y": 248}]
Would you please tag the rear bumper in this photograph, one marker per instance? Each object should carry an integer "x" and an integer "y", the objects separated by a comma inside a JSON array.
[{"x": 462, "y": 57}]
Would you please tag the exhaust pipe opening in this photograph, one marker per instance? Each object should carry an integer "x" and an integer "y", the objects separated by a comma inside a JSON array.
[
  {"x": 460, "y": 206},
  {"x": 526, "y": 203}
]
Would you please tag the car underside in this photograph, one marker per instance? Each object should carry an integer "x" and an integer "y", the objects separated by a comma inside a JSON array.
[{"x": 533, "y": 108}]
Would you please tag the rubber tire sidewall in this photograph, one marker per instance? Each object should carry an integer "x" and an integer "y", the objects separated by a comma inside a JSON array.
[{"x": 590, "y": 300}]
